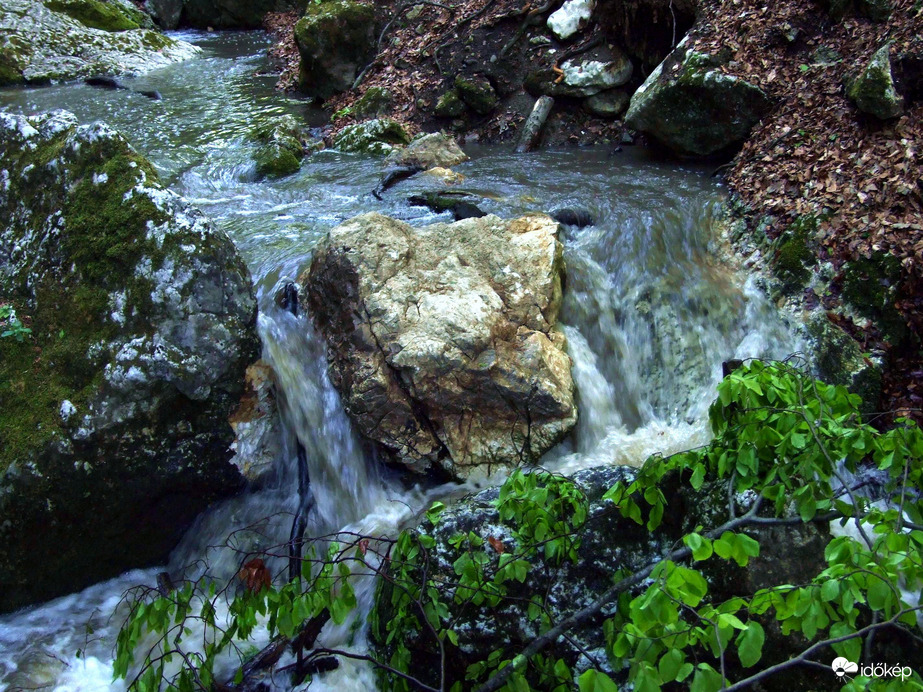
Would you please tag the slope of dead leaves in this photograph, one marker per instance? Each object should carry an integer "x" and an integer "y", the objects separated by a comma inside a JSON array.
[{"x": 818, "y": 155}]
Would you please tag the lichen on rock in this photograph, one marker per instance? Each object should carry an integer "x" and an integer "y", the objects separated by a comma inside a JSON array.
[
  {"x": 873, "y": 89},
  {"x": 377, "y": 137},
  {"x": 442, "y": 340},
  {"x": 143, "y": 320}
]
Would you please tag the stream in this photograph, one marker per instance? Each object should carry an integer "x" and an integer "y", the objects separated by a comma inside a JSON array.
[{"x": 650, "y": 312}]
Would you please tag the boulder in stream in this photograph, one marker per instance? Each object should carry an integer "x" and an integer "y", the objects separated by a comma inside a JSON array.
[
  {"x": 114, "y": 428},
  {"x": 694, "y": 108},
  {"x": 60, "y": 40},
  {"x": 442, "y": 340}
]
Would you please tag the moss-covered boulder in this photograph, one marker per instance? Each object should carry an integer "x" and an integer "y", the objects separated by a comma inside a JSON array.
[
  {"x": 873, "y": 89},
  {"x": 114, "y": 426},
  {"x": 377, "y": 137},
  {"x": 335, "y": 39},
  {"x": 449, "y": 105},
  {"x": 282, "y": 143},
  {"x": 60, "y": 40},
  {"x": 694, "y": 108},
  {"x": 374, "y": 102},
  {"x": 477, "y": 93}
]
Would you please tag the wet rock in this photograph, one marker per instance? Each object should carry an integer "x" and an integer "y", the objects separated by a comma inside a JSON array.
[
  {"x": 463, "y": 205},
  {"x": 442, "y": 340},
  {"x": 61, "y": 40},
  {"x": 445, "y": 175},
  {"x": 377, "y": 137},
  {"x": 573, "y": 216},
  {"x": 477, "y": 93},
  {"x": 282, "y": 146},
  {"x": 429, "y": 151},
  {"x": 839, "y": 360},
  {"x": 257, "y": 427},
  {"x": 607, "y": 104},
  {"x": 143, "y": 322},
  {"x": 571, "y": 17},
  {"x": 392, "y": 176},
  {"x": 449, "y": 105},
  {"x": 694, "y": 108},
  {"x": 374, "y": 102},
  {"x": 873, "y": 89},
  {"x": 335, "y": 40}
]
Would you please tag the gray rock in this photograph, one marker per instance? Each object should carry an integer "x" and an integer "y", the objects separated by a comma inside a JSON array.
[
  {"x": 429, "y": 151},
  {"x": 442, "y": 340},
  {"x": 607, "y": 104},
  {"x": 143, "y": 319},
  {"x": 449, "y": 105},
  {"x": 165, "y": 12},
  {"x": 873, "y": 89},
  {"x": 693, "y": 107},
  {"x": 477, "y": 93},
  {"x": 40, "y": 44},
  {"x": 571, "y": 17},
  {"x": 602, "y": 69},
  {"x": 335, "y": 40}
]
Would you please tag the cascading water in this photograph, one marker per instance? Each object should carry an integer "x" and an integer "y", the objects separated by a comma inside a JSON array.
[{"x": 650, "y": 312}]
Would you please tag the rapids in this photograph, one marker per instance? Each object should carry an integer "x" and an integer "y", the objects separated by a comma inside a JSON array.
[{"x": 651, "y": 310}]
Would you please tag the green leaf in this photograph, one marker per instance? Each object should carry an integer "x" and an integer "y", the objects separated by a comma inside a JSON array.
[
  {"x": 701, "y": 547},
  {"x": 595, "y": 681},
  {"x": 670, "y": 665},
  {"x": 830, "y": 591},
  {"x": 750, "y": 644},
  {"x": 698, "y": 477}
]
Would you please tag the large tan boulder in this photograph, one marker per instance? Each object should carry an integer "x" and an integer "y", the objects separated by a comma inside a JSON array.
[{"x": 442, "y": 340}]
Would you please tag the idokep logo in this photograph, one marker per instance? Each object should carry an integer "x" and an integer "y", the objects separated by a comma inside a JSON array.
[{"x": 843, "y": 667}]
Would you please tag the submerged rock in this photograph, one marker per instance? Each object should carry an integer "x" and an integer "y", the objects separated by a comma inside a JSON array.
[
  {"x": 442, "y": 340},
  {"x": 873, "y": 89},
  {"x": 60, "y": 40},
  {"x": 113, "y": 414},
  {"x": 694, "y": 108},
  {"x": 335, "y": 40}
]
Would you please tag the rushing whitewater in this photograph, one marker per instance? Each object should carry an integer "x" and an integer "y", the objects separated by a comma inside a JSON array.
[{"x": 649, "y": 312}]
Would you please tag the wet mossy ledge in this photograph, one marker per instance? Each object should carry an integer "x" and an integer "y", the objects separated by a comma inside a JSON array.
[
  {"x": 62, "y": 40},
  {"x": 113, "y": 411}
]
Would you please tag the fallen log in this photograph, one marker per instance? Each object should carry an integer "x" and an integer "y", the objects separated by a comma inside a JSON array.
[{"x": 533, "y": 127}]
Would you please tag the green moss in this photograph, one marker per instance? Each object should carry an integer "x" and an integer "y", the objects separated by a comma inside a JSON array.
[
  {"x": 375, "y": 101},
  {"x": 870, "y": 285},
  {"x": 371, "y": 137},
  {"x": 449, "y": 105},
  {"x": 107, "y": 16},
  {"x": 274, "y": 161},
  {"x": 477, "y": 93},
  {"x": 10, "y": 67},
  {"x": 873, "y": 89},
  {"x": 839, "y": 360},
  {"x": 793, "y": 254},
  {"x": 105, "y": 235},
  {"x": 155, "y": 40}
]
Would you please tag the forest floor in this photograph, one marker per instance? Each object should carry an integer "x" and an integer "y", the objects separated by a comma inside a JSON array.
[{"x": 815, "y": 157}]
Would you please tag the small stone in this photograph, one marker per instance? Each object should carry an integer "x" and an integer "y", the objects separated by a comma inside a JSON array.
[
  {"x": 477, "y": 93},
  {"x": 607, "y": 104},
  {"x": 67, "y": 410}
]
